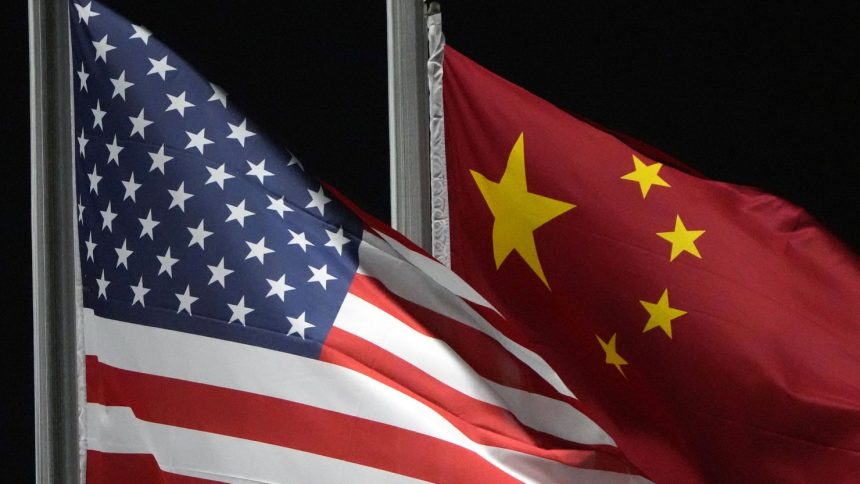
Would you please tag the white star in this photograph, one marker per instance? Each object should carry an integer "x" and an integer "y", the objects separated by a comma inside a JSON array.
[
  {"x": 81, "y": 209},
  {"x": 139, "y": 124},
  {"x": 279, "y": 287},
  {"x": 122, "y": 254},
  {"x": 258, "y": 250},
  {"x": 103, "y": 284},
  {"x": 239, "y": 132},
  {"x": 131, "y": 188},
  {"x": 259, "y": 170},
  {"x": 318, "y": 200},
  {"x": 178, "y": 104},
  {"x": 160, "y": 67},
  {"x": 166, "y": 262},
  {"x": 277, "y": 204},
  {"x": 120, "y": 85},
  {"x": 82, "y": 144},
  {"x": 159, "y": 159},
  {"x": 218, "y": 175},
  {"x": 85, "y": 13},
  {"x": 321, "y": 275},
  {"x": 140, "y": 32},
  {"x": 91, "y": 247},
  {"x": 82, "y": 75},
  {"x": 94, "y": 180},
  {"x": 299, "y": 325},
  {"x": 198, "y": 140},
  {"x": 239, "y": 311},
  {"x": 218, "y": 94},
  {"x": 300, "y": 240},
  {"x": 107, "y": 218},
  {"x": 336, "y": 240},
  {"x": 98, "y": 115},
  {"x": 198, "y": 235},
  {"x": 238, "y": 213},
  {"x": 113, "y": 151},
  {"x": 185, "y": 301},
  {"x": 219, "y": 272},
  {"x": 147, "y": 224},
  {"x": 102, "y": 48},
  {"x": 139, "y": 291},
  {"x": 179, "y": 197},
  {"x": 295, "y": 161}
]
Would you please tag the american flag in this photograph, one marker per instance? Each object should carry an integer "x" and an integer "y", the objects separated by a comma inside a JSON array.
[{"x": 242, "y": 323}]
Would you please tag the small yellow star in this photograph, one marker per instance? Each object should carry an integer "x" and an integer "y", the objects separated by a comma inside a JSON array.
[
  {"x": 645, "y": 175},
  {"x": 517, "y": 212},
  {"x": 682, "y": 240},
  {"x": 661, "y": 314},
  {"x": 612, "y": 356}
]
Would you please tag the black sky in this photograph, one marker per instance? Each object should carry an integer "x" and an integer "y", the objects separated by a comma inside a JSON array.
[{"x": 759, "y": 94}]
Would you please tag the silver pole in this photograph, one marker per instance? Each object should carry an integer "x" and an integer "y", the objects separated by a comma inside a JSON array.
[
  {"x": 408, "y": 120},
  {"x": 54, "y": 251}
]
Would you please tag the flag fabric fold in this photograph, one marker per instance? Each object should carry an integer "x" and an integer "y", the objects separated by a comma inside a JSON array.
[
  {"x": 243, "y": 323},
  {"x": 713, "y": 329}
]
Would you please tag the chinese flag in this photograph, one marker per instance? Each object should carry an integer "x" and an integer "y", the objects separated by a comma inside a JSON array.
[{"x": 714, "y": 330}]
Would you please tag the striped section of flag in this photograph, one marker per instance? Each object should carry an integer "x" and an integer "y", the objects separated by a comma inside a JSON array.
[{"x": 385, "y": 394}]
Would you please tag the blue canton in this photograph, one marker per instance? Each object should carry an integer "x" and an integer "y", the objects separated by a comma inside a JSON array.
[{"x": 190, "y": 219}]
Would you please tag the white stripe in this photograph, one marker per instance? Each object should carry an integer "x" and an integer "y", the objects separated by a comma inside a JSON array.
[
  {"x": 304, "y": 380},
  {"x": 437, "y": 271},
  {"x": 440, "y": 361},
  {"x": 379, "y": 260},
  {"x": 218, "y": 457}
]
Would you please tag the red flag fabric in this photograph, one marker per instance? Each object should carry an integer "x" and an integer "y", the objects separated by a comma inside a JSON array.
[{"x": 713, "y": 329}]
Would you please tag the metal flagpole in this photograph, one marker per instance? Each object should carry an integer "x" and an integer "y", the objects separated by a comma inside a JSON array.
[
  {"x": 54, "y": 251},
  {"x": 408, "y": 120}
]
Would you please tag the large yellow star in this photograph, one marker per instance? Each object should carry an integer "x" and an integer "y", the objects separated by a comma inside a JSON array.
[
  {"x": 661, "y": 314},
  {"x": 612, "y": 356},
  {"x": 517, "y": 212},
  {"x": 682, "y": 240},
  {"x": 645, "y": 175}
]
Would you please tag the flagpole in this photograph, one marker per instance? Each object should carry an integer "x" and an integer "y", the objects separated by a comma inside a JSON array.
[
  {"x": 53, "y": 247},
  {"x": 408, "y": 120}
]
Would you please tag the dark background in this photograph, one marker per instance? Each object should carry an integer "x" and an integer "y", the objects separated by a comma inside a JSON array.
[{"x": 766, "y": 95}]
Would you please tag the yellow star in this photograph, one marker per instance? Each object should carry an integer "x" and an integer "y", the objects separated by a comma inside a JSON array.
[
  {"x": 517, "y": 212},
  {"x": 612, "y": 356},
  {"x": 645, "y": 175},
  {"x": 682, "y": 240},
  {"x": 661, "y": 314}
]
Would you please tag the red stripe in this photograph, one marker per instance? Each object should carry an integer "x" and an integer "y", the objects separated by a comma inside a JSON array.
[
  {"x": 109, "y": 468},
  {"x": 284, "y": 423},
  {"x": 481, "y": 422},
  {"x": 485, "y": 355},
  {"x": 374, "y": 292}
]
